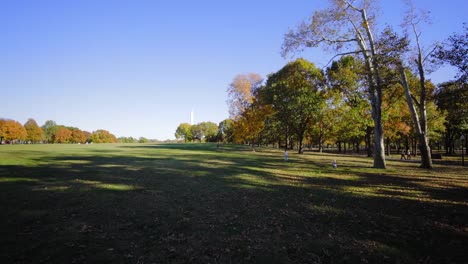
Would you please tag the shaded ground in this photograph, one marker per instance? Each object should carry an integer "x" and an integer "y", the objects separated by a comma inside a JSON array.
[{"x": 191, "y": 203}]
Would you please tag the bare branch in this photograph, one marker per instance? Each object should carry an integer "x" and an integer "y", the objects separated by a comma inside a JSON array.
[
  {"x": 430, "y": 53},
  {"x": 337, "y": 40},
  {"x": 342, "y": 54},
  {"x": 352, "y": 6}
]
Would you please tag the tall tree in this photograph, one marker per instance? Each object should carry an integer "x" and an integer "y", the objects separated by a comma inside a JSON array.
[
  {"x": 240, "y": 93},
  {"x": 347, "y": 27},
  {"x": 347, "y": 88},
  {"x": 451, "y": 97},
  {"x": 50, "y": 128},
  {"x": 417, "y": 106},
  {"x": 294, "y": 94},
  {"x": 184, "y": 131},
  {"x": 35, "y": 133}
]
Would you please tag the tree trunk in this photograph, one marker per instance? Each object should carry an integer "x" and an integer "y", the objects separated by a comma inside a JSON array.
[
  {"x": 321, "y": 141},
  {"x": 375, "y": 89},
  {"x": 419, "y": 121},
  {"x": 379, "y": 148},
  {"x": 369, "y": 141}
]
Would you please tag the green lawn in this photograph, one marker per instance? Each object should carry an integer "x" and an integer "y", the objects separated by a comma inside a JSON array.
[{"x": 189, "y": 203}]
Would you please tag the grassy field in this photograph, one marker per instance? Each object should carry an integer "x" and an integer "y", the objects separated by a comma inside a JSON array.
[{"x": 192, "y": 203}]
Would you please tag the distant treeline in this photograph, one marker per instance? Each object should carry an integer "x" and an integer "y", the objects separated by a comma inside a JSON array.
[{"x": 12, "y": 132}]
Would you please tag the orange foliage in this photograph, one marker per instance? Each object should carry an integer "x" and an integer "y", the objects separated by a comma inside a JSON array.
[
  {"x": 63, "y": 135},
  {"x": 11, "y": 130}
]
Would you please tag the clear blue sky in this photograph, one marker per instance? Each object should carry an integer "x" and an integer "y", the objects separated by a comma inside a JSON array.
[{"x": 137, "y": 68}]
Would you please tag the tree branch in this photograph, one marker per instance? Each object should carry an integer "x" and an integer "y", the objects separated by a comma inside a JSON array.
[
  {"x": 429, "y": 54},
  {"x": 415, "y": 100},
  {"x": 337, "y": 40},
  {"x": 342, "y": 54},
  {"x": 352, "y": 6}
]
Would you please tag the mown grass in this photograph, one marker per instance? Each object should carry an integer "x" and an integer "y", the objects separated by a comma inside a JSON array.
[{"x": 192, "y": 203}]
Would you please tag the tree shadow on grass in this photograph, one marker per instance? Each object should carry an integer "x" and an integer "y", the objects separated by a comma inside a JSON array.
[{"x": 203, "y": 205}]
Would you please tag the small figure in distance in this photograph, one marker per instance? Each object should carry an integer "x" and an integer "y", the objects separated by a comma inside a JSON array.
[
  {"x": 334, "y": 164},
  {"x": 286, "y": 155},
  {"x": 408, "y": 155},
  {"x": 403, "y": 155}
]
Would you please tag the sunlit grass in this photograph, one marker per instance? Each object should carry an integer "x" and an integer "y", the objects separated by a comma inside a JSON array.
[
  {"x": 17, "y": 179},
  {"x": 187, "y": 203}
]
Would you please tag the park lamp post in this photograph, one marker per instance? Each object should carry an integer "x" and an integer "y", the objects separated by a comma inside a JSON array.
[{"x": 462, "y": 138}]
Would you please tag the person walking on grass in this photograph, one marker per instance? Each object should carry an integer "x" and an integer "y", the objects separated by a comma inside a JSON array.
[{"x": 403, "y": 155}]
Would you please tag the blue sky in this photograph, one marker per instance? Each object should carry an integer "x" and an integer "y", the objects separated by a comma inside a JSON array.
[{"x": 137, "y": 68}]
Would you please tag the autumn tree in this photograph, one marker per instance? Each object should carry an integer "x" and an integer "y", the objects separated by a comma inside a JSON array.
[
  {"x": 77, "y": 136},
  {"x": 11, "y": 130},
  {"x": 249, "y": 126},
  {"x": 35, "y": 133},
  {"x": 347, "y": 28},
  {"x": 240, "y": 93},
  {"x": 103, "y": 136},
  {"x": 294, "y": 94},
  {"x": 63, "y": 135},
  {"x": 184, "y": 132},
  {"x": 87, "y": 135}
]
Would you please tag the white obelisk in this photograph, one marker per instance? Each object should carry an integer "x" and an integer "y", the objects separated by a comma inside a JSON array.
[{"x": 191, "y": 118}]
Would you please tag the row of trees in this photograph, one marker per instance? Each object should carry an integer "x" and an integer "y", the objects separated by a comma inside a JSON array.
[
  {"x": 378, "y": 84},
  {"x": 204, "y": 131},
  {"x": 12, "y": 131}
]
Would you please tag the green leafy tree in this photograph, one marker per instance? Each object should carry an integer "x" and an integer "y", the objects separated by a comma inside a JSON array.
[
  {"x": 295, "y": 97},
  {"x": 50, "y": 128},
  {"x": 451, "y": 97},
  {"x": 143, "y": 140},
  {"x": 346, "y": 28},
  {"x": 347, "y": 101},
  {"x": 184, "y": 131},
  {"x": 225, "y": 130},
  {"x": 205, "y": 131},
  {"x": 127, "y": 140},
  {"x": 35, "y": 133}
]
